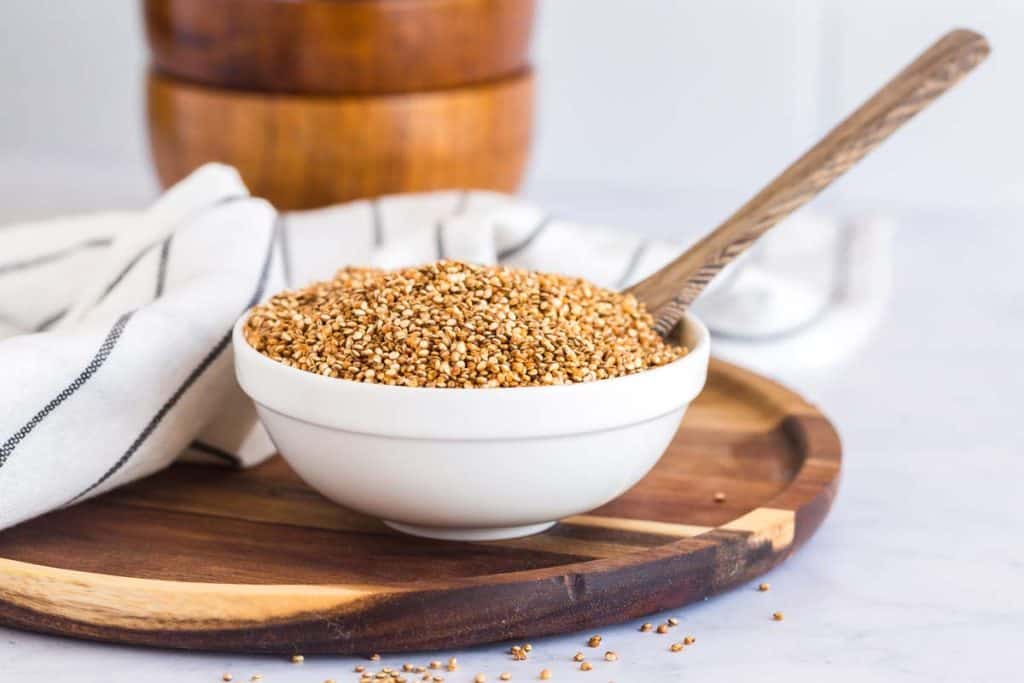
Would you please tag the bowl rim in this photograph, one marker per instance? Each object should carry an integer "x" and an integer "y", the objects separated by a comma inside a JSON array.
[
  {"x": 690, "y": 321},
  {"x": 482, "y": 414}
]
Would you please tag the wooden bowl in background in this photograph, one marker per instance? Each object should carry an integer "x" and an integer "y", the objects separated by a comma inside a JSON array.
[
  {"x": 339, "y": 46},
  {"x": 303, "y": 152}
]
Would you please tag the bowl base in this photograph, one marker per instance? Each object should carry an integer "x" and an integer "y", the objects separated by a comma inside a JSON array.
[{"x": 457, "y": 534}]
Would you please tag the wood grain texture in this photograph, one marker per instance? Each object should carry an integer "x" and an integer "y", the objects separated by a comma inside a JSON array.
[
  {"x": 332, "y": 47},
  {"x": 669, "y": 291},
  {"x": 305, "y": 152},
  {"x": 256, "y": 561}
]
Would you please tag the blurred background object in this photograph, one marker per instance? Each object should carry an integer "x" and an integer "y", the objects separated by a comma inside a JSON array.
[
  {"x": 302, "y": 151},
  {"x": 354, "y": 47},
  {"x": 685, "y": 107},
  {"x": 318, "y": 102}
]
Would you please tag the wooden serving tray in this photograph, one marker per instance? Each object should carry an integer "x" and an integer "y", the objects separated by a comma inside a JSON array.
[{"x": 256, "y": 561}]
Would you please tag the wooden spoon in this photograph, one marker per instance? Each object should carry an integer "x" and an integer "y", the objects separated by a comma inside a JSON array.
[{"x": 669, "y": 291}]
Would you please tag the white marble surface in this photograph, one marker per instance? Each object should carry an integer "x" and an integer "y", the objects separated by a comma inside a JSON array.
[{"x": 917, "y": 574}]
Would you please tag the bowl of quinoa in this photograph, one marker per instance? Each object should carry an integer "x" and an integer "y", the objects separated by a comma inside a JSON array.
[{"x": 470, "y": 394}]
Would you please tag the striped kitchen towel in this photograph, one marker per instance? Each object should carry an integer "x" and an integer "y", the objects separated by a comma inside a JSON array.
[{"x": 115, "y": 351}]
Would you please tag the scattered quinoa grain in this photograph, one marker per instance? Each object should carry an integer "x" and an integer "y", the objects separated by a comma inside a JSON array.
[
  {"x": 610, "y": 656},
  {"x": 479, "y": 678},
  {"x": 505, "y": 676},
  {"x": 764, "y": 587},
  {"x": 329, "y": 680},
  {"x": 256, "y": 677},
  {"x": 527, "y": 648},
  {"x": 672, "y": 621},
  {"x": 578, "y": 657},
  {"x": 586, "y": 666},
  {"x": 545, "y": 674},
  {"x": 676, "y": 647},
  {"x": 360, "y": 668},
  {"x": 375, "y": 657},
  {"x": 646, "y": 628},
  {"x": 435, "y": 664},
  {"x": 777, "y": 616},
  {"x": 226, "y": 677},
  {"x": 298, "y": 659},
  {"x": 595, "y": 641},
  {"x": 689, "y": 640},
  {"x": 662, "y": 628},
  {"x": 452, "y": 324}
]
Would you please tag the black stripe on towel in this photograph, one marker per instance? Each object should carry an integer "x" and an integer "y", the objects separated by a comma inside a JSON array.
[
  {"x": 51, "y": 320},
  {"x": 378, "y": 222},
  {"x": 634, "y": 261},
  {"x": 161, "y": 269},
  {"x": 284, "y": 233},
  {"x": 196, "y": 373},
  {"x": 219, "y": 453},
  {"x": 57, "y": 255},
  {"x": 461, "y": 202},
  {"x": 195, "y": 215},
  {"x": 94, "y": 365},
  {"x": 534, "y": 234}
]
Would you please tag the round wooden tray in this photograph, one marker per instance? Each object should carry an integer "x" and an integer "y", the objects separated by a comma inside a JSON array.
[
  {"x": 339, "y": 47},
  {"x": 256, "y": 561},
  {"x": 305, "y": 152}
]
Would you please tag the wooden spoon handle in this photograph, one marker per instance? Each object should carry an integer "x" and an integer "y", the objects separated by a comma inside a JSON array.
[{"x": 670, "y": 290}]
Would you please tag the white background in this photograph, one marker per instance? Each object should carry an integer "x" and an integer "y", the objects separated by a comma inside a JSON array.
[{"x": 663, "y": 98}]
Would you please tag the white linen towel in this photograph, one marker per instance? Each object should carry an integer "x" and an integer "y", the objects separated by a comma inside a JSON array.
[{"x": 115, "y": 328}]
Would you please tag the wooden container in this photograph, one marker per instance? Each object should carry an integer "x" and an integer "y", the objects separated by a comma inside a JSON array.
[
  {"x": 339, "y": 47},
  {"x": 303, "y": 151}
]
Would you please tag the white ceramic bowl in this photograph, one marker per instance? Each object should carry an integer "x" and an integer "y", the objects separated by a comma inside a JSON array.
[{"x": 472, "y": 464}]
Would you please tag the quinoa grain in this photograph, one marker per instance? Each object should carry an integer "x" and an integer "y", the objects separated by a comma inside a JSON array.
[{"x": 452, "y": 324}]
